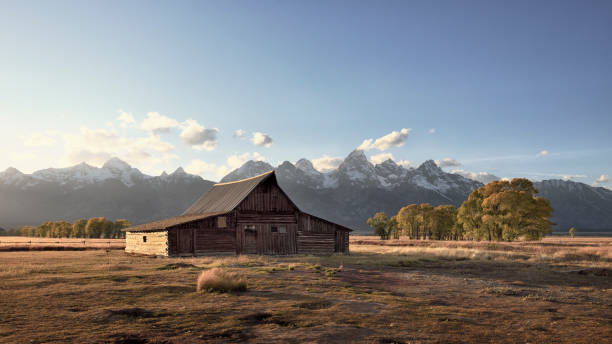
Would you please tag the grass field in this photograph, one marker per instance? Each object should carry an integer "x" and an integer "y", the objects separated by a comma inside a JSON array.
[
  {"x": 554, "y": 291},
  {"x": 11, "y": 243}
]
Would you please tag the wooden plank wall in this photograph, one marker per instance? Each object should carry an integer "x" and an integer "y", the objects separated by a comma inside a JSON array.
[
  {"x": 266, "y": 197},
  {"x": 315, "y": 236},
  {"x": 209, "y": 239},
  {"x": 268, "y": 242}
]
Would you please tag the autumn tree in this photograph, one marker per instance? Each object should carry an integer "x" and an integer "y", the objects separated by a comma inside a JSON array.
[
  {"x": 119, "y": 225},
  {"x": 444, "y": 218},
  {"x": 382, "y": 225},
  {"x": 408, "y": 222},
  {"x": 425, "y": 219},
  {"x": 506, "y": 210},
  {"x": 78, "y": 228}
]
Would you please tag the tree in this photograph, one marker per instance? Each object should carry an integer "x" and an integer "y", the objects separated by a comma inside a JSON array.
[
  {"x": 506, "y": 210},
  {"x": 78, "y": 228},
  {"x": 572, "y": 232},
  {"x": 382, "y": 225},
  {"x": 119, "y": 225},
  {"x": 425, "y": 219},
  {"x": 407, "y": 219},
  {"x": 444, "y": 218},
  {"x": 28, "y": 231},
  {"x": 95, "y": 227}
]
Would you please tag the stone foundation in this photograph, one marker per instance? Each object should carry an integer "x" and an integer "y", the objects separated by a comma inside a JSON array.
[{"x": 156, "y": 243}]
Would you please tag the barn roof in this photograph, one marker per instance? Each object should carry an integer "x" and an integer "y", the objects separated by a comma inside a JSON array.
[
  {"x": 224, "y": 197},
  {"x": 169, "y": 222},
  {"x": 221, "y": 199}
]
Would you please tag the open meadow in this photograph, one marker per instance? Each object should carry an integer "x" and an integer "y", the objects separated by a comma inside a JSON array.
[{"x": 558, "y": 290}]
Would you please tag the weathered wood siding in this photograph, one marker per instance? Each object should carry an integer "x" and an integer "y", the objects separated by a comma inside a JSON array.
[
  {"x": 208, "y": 238},
  {"x": 320, "y": 237},
  {"x": 267, "y": 197},
  {"x": 156, "y": 244},
  {"x": 267, "y": 242}
]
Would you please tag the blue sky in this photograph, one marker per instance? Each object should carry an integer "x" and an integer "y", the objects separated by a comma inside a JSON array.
[{"x": 499, "y": 82}]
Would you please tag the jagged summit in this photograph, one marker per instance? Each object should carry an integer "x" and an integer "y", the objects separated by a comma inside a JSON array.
[
  {"x": 249, "y": 169},
  {"x": 116, "y": 164},
  {"x": 11, "y": 171},
  {"x": 430, "y": 166},
  {"x": 306, "y": 166},
  {"x": 179, "y": 171}
]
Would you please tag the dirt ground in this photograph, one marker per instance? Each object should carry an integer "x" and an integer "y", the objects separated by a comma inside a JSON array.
[{"x": 381, "y": 293}]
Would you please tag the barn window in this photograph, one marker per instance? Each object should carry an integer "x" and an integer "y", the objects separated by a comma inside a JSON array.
[
  {"x": 222, "y": 222},
  {"x": 249, "y": 227},
  {"x": 281, "y": 229},
  {"x": 144, "y": 238}
]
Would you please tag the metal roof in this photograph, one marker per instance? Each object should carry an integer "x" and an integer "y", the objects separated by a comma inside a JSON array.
[
  {"x": 224, "y": 197},
  {"x": 165, "y": 223},
  {"x": 221, "y": 199}
]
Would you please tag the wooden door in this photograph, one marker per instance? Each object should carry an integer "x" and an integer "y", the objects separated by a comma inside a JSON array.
[
  {"x": 339, "y": 242},
  {"x": 249, "y": 246},
  {"x": 185, "y": 241}
]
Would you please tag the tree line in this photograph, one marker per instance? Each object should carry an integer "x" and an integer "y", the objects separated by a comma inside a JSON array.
[
  {"x": 499, "y": 211},
  {"x": 96, "y": 227}
]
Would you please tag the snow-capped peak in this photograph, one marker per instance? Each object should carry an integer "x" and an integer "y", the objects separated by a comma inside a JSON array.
[
  {"x": 11, "y": 176},
  {"x": 429, "y": 167},
  {"x": 306, "y": 166},
  {"x": 116, "y": 164},
  {"x": 179, "y": 171},
  {"x": 357, "y": 167},
  {"x": 249, "y": 169}
]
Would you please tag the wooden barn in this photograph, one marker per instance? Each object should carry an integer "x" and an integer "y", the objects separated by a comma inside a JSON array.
[{"x": 249, "y": 216}]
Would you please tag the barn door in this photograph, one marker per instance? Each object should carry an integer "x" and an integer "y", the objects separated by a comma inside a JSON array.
[
  {"x": 249, "y": 245},
  {"x": 185, "y": 241},
  {"x": 339, "y": 242}
]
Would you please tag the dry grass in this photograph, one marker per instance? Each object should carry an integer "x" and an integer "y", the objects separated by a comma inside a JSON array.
[
  {"x": 18, "y": 243},
  {"x": 222, "y": 281},
  {"x": 378, "y": 294}
]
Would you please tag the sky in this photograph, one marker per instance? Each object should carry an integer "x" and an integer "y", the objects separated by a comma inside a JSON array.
[{"x": 508, "y": 89}]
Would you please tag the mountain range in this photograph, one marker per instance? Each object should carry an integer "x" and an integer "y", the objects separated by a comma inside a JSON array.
[{"x": 348, "y": 195}]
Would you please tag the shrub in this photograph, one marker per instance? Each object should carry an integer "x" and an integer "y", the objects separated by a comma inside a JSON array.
[{"x": 219, "y": 280}]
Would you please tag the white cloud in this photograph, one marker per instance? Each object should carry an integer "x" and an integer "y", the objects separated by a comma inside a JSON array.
[
  {"x": 261, "y": 139},
  {"x": 432, "y": 130},
  {"x": 157, "y": 123},
  {"x": 447, "y": 162},
  {"x": 198, "y": 137},
  {"x": 95, "y": 146},
  {"x": 40, "y": 140},
  {"x": 393, "y": 139},
  {"x": 572, "y": 176},
  {"x": 404, "y": 163},
  {"x": 326, "y": 163},
  {"x": 483, "y": 177},
  {"x": 222, "y": 171},
  {"x": 126, "y": 119},
  {"x": 239, "y": 134},
  {"x": 379, "y": 158},
  {"x": 604, "y": 178},
  {"x": 200, "y": 167},
  {"x": 542, "y": 153}
]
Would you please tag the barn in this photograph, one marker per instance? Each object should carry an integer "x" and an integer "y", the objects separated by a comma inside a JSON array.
[{"x": 249, "y": 216}]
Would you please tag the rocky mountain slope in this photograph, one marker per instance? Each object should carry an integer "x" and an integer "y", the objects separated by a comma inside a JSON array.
[
  {"x": 348, "y": 195},
  {"x": 114, "y": 191}
]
